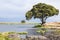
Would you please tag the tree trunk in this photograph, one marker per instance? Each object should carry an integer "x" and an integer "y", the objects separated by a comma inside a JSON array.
[{"x": 43, "y": 20}]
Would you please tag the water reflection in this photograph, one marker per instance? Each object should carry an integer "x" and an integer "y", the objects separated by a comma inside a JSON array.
[{"x": 14, "y": 28}]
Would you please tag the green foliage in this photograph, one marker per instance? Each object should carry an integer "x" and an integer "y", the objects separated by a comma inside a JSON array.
[
  {"x": 38, "y": 26},
  {"x": 42, "y": 31},
  {"x": 41, "y": 11},
  {"x": 9, "y": 36},
  {"x": 23, "y": 21},
  {"x": 11, "y": 32},
  {"x": 22, "y": 33}
]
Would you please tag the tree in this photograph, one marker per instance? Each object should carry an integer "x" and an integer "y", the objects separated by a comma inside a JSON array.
[
  {"x": 41, "y": 11},
  {"x": 23, "y": 21}
]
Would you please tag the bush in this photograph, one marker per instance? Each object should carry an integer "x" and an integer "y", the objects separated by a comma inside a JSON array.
[
  {"x": 42, "y": 31},
  {"x": 23, "y": 21},
  {"x": 22, "y": 33},
  {"x": 37, "y": 26}
]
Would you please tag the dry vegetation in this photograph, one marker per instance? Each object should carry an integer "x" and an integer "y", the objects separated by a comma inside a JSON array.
[{"x": 52, "y": 25}]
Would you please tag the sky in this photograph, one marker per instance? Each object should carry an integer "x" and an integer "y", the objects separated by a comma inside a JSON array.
[{"x": 15, "y": 10}]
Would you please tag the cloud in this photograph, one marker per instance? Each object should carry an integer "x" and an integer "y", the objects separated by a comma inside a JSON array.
[
  {"x": 20, "y": 5},
  {"x": 18, "y": 8}
]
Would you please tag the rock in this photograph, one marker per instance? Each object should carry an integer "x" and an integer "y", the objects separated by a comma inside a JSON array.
[
  {"x": 14, "y": 37},
  {"x": 53, "y": 37},
  {"x": 35, "y": 37}
]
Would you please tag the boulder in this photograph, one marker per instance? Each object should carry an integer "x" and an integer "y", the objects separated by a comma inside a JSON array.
[
  {"x": 13, "y": 37},
  {"x": 35, "y": 37}
]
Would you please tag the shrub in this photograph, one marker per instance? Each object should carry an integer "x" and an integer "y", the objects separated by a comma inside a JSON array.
[
  {"x": 22, "y": 33},
  {"x": 42, "y": 31},
  {"x": 38, "y": 26},
  {"x": 23, "y": 21},
  {"x": 9, "y": 36}
]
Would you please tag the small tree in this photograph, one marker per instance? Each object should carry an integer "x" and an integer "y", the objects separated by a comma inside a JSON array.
[
  {"x": 41, "y": 11},
  {"x": 23, "y": 21}
]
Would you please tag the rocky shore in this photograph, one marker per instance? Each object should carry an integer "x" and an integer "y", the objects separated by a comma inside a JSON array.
[{"x": 46, "y": 37}]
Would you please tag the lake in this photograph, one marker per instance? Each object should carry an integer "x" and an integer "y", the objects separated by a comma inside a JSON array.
[
  {"x": 15, "y": 28},
  {"x": 20, "y": 28}
]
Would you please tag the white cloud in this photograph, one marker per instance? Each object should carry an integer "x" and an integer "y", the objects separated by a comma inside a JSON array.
[
  {"x": 23, "y": 4},
  {"x": 17, "y": 8}
]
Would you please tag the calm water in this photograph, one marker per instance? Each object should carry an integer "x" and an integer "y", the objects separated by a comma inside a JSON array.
[
  {"x": 20, "y": 28},
  {"x": 14, "y": 28}
]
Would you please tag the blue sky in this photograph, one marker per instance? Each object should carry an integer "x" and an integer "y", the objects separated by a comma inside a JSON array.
[{"x": 14, "y": 10}]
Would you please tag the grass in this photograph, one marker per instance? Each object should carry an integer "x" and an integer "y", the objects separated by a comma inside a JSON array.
[
  {"x": 21, "y": 33},
  {"x": 5, "y": 35},
  {"x": 37, "y": 26},
  {"x": 16, "y": 23}
]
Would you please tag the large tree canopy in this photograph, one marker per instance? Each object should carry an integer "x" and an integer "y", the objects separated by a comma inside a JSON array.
[{"x": 41, "y": 11}]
